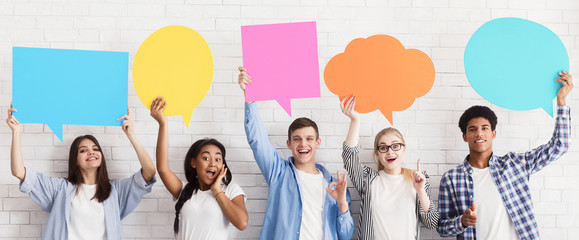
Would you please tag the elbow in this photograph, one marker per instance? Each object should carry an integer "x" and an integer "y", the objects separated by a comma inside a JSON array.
[
  {"x": 242, "y": 225},
  {"x": 18, "y": 174}
]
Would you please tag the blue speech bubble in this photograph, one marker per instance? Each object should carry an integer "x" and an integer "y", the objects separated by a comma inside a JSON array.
[
  {"x": 58, "y": 86},
  {"x": 513, "y": 63}
]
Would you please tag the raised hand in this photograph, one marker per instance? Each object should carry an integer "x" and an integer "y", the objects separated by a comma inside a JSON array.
[
  {"x": 347, "y": 105},
  {"x": 339, "y": 192},
  {"x": 469, "y": 216},
  {"x": 216, "y": 186},
  {"x": 243, "y": 79},
  {"x": 12, "y": 121},
  {"x": 567, "y": 80},
  {"x": 419, "y": 179},
  {"x": 127, "y": 126},
  {"x": 157, "y": 108}
]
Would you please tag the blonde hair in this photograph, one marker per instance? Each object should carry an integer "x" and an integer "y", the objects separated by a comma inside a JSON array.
[{"x": 408, "y": 173}]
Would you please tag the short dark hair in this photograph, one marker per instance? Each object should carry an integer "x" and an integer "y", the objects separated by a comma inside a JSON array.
[
  {"x": 475, "y": 112},
  {"x": 302, "y": 123}
]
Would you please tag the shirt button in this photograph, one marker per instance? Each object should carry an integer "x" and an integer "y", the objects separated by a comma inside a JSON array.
[{"x": 341, "y": 218}]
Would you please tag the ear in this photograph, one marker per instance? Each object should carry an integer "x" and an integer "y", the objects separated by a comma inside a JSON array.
[
  {"x": 494, "y": 134},
  {"x": 464, "y": 137},
  {"x": 288, "y": 144},
  {"x": 318, "y": 142}
]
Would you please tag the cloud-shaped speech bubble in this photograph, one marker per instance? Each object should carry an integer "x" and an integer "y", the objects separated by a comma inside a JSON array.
[
  {"x": 282, "y": 60},
  {"x": 513, "y": 62},
  {"x": 61, "y": 86},
  {"x": 174, "y": 62},
  {"x": 381, "y": 73}
]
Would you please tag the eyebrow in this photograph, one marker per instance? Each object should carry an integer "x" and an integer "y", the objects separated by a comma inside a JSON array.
[
  {"x": 210, "y": 153},
  {"x": 87, "y": 146},
  {"x": 484, "y": 125}
]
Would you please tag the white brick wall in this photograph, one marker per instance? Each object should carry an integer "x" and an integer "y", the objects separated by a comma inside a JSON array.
[{"x": 439, "y": 28}]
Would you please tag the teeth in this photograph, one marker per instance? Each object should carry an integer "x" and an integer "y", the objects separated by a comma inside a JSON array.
[
  {"x": 303, "y": 151},
  {"x": 479, "y": 141}
]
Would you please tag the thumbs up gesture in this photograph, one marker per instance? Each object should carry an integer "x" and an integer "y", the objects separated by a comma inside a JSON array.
[{"x": 469, "y": 216}]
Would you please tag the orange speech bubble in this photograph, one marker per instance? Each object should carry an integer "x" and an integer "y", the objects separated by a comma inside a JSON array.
[{"x": 381, "y": 73}]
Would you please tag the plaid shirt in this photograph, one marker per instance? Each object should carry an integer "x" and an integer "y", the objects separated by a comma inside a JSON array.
[{"x": 511, "y": 174}]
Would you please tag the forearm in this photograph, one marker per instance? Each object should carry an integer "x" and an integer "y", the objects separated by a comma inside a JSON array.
[
  {"x": 237, "y": 215},
  {"x": 343, "y": 206},
  {"x": 450, "y": 227},
  {"x": 16, "y": 162},
  {"x": 353, "y": 133},
  {"x": 146, "y": 163},
  {"x": 424, "y": 200}
]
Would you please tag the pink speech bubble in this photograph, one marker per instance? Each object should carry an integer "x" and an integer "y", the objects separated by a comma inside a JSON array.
[{"x": 282, "y": 60}]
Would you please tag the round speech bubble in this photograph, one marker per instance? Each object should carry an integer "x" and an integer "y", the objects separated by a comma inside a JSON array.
[
  {"x": 513, "y": 63},
  {"x": 381, "y": 73},
  {"x": 174, "y": 62}
]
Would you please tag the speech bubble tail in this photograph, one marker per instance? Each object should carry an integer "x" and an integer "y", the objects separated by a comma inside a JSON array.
[
  {"x": 286, "y": 105},
  {"x": 187, "y": 117},
  {"x": 549, "y": 109},
  {"x": 388, "y": 115},
  {"x": 56, "y": 129}
]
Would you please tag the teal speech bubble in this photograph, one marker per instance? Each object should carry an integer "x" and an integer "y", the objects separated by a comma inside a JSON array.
[{"x": 513, "y": 63}]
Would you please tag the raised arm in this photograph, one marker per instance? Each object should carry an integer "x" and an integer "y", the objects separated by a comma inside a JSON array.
[
  {"x": 170, "y": 180},
  {"x": 347, "y": 105},
  {"x": 16, "y": 162},
  {"x": 148, "y": 167},
  {"x": 558, "y": 145},
  {"x": 234, "y": 208},
  {"x": 266, "y": 156}
]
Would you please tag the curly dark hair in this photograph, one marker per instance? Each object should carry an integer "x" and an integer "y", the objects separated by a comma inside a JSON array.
[{"x": 475, "y": 112}]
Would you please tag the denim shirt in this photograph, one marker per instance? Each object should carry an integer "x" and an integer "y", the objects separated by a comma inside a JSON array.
[
  {"x": 54, "y": 195},
  {"x": 283, "y": 215}
]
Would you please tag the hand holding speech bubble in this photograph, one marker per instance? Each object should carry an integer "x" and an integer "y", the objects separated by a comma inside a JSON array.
[
  {"x": 381, "y": 73},
  {"x": 174, "y": 62},
  {"x": 61, "y": 86},
  {"x": 282, "y": 60},
  {"x": 513, "y": 62}
]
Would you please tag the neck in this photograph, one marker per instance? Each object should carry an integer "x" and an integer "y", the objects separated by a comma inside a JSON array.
[
  {"x": 203, "y": 187},
  {"x": 307, "y": 167},
  {"x": 396, "y": 171},
  {"x": 89, "y": 176},
  {"x": 480, "y": 160}
]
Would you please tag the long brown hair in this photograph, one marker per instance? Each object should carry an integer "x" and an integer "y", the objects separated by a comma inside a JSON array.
[
  {"x": 408, "y": 174},
  {"x": 103, "y": 189}
]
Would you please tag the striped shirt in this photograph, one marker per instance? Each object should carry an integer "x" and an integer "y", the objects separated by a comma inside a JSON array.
[
  {"x": 511, "y": 174},
  {"x": 362, "y": 177}
]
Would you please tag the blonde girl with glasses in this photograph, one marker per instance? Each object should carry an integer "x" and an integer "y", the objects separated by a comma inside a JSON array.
[{"x": 394, "y": 199}]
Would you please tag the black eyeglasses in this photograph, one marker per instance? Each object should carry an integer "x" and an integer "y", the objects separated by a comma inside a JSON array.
[{"x": 383, "y": 148}]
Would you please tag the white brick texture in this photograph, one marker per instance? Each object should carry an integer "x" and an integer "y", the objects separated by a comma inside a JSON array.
[{"x": 440, "y": 28}]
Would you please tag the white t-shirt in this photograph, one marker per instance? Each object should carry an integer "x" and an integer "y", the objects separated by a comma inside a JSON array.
[
  {"x": 493, "y": 221},
  {"x": 313, "y": 196},
  {"x": 202, "y": 218},
  {"x": 393, "y": 207},
  {"x": 87, "y": 217}
]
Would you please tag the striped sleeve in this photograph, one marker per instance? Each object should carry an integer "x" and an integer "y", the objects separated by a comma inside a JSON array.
[
  {"x": 355, "y": 169},
  {"x": 429, "y": 219}
]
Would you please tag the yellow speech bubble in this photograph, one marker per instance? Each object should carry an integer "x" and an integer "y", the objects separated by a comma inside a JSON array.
[{"x": 174, "y": 62}]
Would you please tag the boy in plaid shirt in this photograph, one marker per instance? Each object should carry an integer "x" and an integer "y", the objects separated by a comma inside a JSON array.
[{"x": 487, "y": 196}]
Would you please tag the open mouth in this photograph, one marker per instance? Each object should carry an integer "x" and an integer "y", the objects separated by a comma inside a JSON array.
[
  {"x": 480, "y": 141},
  {"x": 210, "y": 173},
  {"x": 91, "y": 159},
  {"x": 391, "y": 159},
  {"x": 303, "y": 152}
]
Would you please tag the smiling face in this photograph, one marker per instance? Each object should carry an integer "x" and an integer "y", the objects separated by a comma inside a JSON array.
[
  {"x": 391, "y": 160},
  {"x": 479, "y": 136},
  {"x": 89, "y": 155},
  {"x": 303, "y": 143},
  {"x": 208, "y": 165}
]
